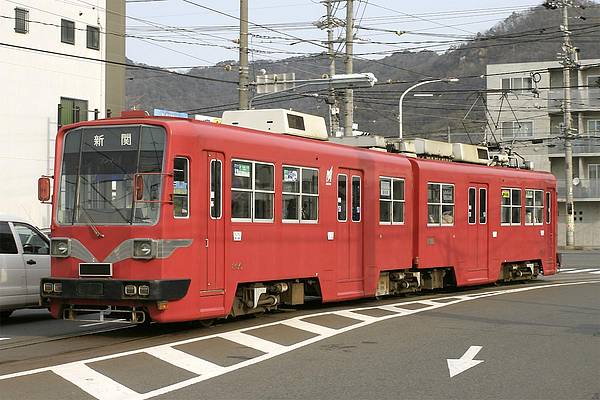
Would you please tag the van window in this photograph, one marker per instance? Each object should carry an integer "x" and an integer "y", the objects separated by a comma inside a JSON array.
[
  {"x": 31, "y": 241},
  {"x": 7, "y": 241}
]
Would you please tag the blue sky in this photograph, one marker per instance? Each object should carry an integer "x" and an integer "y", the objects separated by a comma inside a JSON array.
[{"x": 176, "y": 33}]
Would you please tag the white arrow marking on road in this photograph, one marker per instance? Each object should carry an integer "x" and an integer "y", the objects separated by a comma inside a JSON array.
[{"x": 465, "y": 362}]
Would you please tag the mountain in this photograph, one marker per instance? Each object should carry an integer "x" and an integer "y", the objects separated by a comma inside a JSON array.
[{"x": 533, "y": 35}]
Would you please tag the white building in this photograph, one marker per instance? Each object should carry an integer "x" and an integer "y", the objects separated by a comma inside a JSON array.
[
  {"x": 51, "y": 54},
  {"x": 525, "y": 104}
]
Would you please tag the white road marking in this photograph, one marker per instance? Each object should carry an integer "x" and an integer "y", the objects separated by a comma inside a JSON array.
[
  {"x": 578, "y": 271},
  {"x": 565, "y": 270},
  {"x": 104, "y": 388},
  {"x": 4, "y": 338},
  {"x": 456, "y": 366},
  {"x": 307, "y": 326},
  {"x": 595, "y": 272},
  {"x": 93, "y": 382},
  {"x": 254, "y": 342},
  {"x": 184, "y": 360}
]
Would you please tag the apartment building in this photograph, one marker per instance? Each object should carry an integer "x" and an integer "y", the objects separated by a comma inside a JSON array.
[
  {"x": 52, "y": 72},
  {"x": 525, "y": 102}
]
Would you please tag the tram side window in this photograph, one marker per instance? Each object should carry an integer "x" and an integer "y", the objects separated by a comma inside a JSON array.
[
  {"x": 534, "y": 207},
  {"x": 216, "y": 173},
  {"x": 472, "y": 193},
  {"x": 181, "y": 196},
  {"x": 482, "y": 205},
  {"x": 391, "y": 200},
  {"x": 511, "y": 206},
  {"x": 548, "y": 214},
  {"x": 341, "y": 198},
  {"x": 356, "y": 199},
  {"x": 300, "y": 194},
  {"x": 252, "y": 191},
  {"x": 440, "y": 204}
]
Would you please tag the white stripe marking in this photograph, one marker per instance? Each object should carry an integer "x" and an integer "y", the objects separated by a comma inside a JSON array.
[
  {"x": 356, "y": 315},
  {"x": 254, "y": 342},
  {"x": 595, "y": 272},
  {"x": 309, "y": 327},
  {"x": 93, "y": 382},
  {"x": 578, "y": 271},
  {"x": 565, "y": 270},
  {"x": 184, "y": 360},
  {"x": 4, "y": 338},
  {"x": 395, "y": 309}
]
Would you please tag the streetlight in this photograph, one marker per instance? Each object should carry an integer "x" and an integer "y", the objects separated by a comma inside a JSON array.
[
  {"x": 339, "y": 81},
  {"x": 448, "y": 80}
]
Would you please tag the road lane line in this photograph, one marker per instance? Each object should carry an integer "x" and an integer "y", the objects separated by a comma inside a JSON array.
[
  {"x": 578, "y": 271},
  {"x": 93, "y": 382},
  {"x": 254, "y": 342},
  {"x": 4, "y": 338},
  {"x": 561, "y": 270},
  {"x": 184, "y": 360},
  {"x": 309, "y": 327},
  {"x": 595, "y": 272}
]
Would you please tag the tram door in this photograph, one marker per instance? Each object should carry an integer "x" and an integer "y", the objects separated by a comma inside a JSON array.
[
  {"x": 350, "y": 232},
  {"x": 478, "y": 232},
  {"x": 215, "y": 226}
]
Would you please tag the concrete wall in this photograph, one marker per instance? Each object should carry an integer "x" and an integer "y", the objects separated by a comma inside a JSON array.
[
  {"x": 587, "y": 224},
  {"x": 33, "y": 83}
]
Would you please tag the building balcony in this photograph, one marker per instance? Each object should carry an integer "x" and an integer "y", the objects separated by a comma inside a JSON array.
[
  {"x": 586, "y": 99},
  {"x": 581, "y": 147},
  {"x": 586, "y": 189}
]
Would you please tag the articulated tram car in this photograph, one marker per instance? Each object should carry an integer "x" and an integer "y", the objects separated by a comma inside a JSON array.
[{"x": 169, "y": 219}]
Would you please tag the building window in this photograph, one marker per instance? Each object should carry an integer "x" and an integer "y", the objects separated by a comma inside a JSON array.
[
  {"x": 534, "y": 207},
  {"x": 181, "y": 193},
  {"x": 71, "y": 111},
  {"x": 440, "y": 204},
  {"x": 93, "y": 37},
  {"x": 594, "y": 171},
  {"x": 517, "y": 129},
  {"x": 252, "y": 191},
  {"x": 67, "y": 31},
  {"x": 300, "y": 194},
  {"x": 593, "y": 127},
  {"x": 516, "y": 83},
  {"x": 391, "y": 200},
  {"x": 21, "y": 20},
  {"x": 511, "y": 206},
  {"x": 593, "y": 81}
]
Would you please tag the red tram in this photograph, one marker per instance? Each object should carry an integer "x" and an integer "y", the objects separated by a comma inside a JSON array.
[{"x": 173, "y": 219}]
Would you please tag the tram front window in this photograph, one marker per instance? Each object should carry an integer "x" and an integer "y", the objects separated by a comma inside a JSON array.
[{"x": 97, "y": 175}]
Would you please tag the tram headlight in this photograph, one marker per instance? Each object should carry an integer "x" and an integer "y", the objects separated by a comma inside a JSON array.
[
  {"x": 47, "y": 287},
  {"x": 144, "y": 248},
  {"x": 130, "y": 290},
  {"x": 60, "y": 247},
  {"x": 57, "y": 287},
  {"x": 143, "y": 290}
]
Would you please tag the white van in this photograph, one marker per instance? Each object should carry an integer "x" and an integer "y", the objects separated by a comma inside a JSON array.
[{"x": 24, "y": 260}]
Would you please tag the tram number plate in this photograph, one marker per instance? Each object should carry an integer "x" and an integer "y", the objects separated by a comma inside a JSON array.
[
  {"x": 90, "y": 289},
  {"x": 95, "y": 269}
]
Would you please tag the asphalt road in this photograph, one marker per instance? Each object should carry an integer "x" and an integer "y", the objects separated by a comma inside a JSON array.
[{"x": 535, "y": 341}]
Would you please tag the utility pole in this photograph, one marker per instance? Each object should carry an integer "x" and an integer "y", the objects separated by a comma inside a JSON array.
[
  {"x": 244, "y": 79},
  {"x": 568, "y": 58},
  {"x": 348, "y": 100},
  {"x": 334, "y": 111}
]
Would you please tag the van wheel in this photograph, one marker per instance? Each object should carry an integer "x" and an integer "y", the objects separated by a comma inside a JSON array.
[{"x": 5, "y": 314}]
